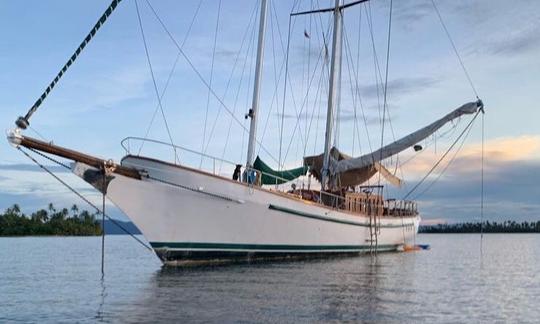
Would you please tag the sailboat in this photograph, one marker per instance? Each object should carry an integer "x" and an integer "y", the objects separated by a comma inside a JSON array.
[{"x": 188, "y": 214}]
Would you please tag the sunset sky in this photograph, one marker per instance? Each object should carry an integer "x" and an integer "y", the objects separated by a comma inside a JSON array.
[{"x": 109, "y": 94}]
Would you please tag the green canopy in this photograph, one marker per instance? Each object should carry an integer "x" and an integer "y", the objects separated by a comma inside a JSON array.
[{"x": 270, "y": 176}]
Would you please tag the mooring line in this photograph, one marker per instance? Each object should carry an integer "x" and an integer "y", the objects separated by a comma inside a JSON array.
[{"x": 84, "y": 199}]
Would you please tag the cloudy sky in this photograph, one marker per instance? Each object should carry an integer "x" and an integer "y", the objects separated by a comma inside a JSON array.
[{"x": 109, "y": 93}]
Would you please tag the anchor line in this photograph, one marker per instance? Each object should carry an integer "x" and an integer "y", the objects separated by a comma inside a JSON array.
[{"x": 78, "y": 194}]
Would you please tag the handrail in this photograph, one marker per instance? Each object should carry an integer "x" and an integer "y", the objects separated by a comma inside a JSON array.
[{"x": 129, "y": 138}]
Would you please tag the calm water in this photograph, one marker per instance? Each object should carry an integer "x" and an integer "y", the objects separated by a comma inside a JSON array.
[{"x": 58, "y": 280}]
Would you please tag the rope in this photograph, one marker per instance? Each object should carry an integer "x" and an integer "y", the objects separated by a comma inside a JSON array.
[
  {"x": 210, "y": 82},
  {"x": 170, "y": 74},
  {"x": 386, "y": 82},
  {"x": 103, "y": 190},
  {"x": 23, "y": 122},
  {"x": 50, "y": 158},
  {"x": 482, "y": 192},
  {"x": 210, "y": 137},
  {"x": 455, "y": 48},
  {"x": 446, "y": 167},
  {"x": 84, "y": 199},
  {"x": 442, "y": 157},
  {"x": 154, "y": 81},
  {"x": 201, "y": 78}
]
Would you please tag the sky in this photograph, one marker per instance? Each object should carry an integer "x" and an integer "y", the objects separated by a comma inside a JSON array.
[{"x": 109, "y": 93}]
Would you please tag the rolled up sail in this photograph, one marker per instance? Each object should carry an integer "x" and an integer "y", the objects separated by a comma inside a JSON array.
[
  {"x": 351, "y": 177},
  {"x": 340, "y": 166},
  {"x": 271, "y": 176}
]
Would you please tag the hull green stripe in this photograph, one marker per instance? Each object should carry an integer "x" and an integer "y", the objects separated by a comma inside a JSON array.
[
  {"x": 334, "y": 220},
  {"x": 264, "y": 247}
]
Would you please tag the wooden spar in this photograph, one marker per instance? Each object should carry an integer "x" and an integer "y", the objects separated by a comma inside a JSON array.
[{"x": 95, "y": 162}]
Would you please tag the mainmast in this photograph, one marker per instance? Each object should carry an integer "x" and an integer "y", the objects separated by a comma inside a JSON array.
[
  {"x": 256, "y": 87},
  {"x": 332, "y": 93}
]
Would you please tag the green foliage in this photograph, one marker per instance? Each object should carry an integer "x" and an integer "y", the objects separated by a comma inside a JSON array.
[
  {"x": 486, "y": 227},
  {"x": 49, "y": 222}
]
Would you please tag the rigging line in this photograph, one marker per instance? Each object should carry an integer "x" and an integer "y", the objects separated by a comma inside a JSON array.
[
  {"x": 377, "y": 68},
  {"x": 357, "y": 72},
  {"x": 355, "y": 94},
  {"x": 284, "y": 93},
  {"x": 308, "y": 72},
  {"x": 385, "y": 102},
  {"x": 446, "y": 167},
  {"x": 379, "y": 74},
  {"x": 154, "y": 80},
  {"x": 186, "y": 36},
  {"x": 304, "y": 101},
  {"x": 442, "y": 157},
  {"x": 23, "y": 122},
  {"x": 230, "y": 79},
  {"x": 455, "y": 48},
  {"x": 237, "y": 95},
  {"x": 313, "y": 111},
  {"x": 303, "y": 105},
  {"x": 375, "y": 59},
  {"x": 275, "y": 98},
  {"x": 277, "y": 78},
  {"x": 50, "y": 158},
  {"x": 201, "y": 78},
  {"x": 482, "y": 191},
  {"x": 103, "y": 188},
  {"x": 157, "y": 106},
  {"x": 308, "y": 127},
  {"x": 357, "y": 88},
  {"x": 451, "y": 131},
  {"x": 210, "y": 82},
  {"x": 83, "y": 198}
]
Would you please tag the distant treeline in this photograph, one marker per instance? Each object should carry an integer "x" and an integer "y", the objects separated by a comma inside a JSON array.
[
  {"x": 49, "y": 222},
  {"x": 487, "y": 227}
]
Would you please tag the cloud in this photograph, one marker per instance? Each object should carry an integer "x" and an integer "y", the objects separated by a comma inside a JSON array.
[
  {"x": 497, "y": 152},
  {"x": 31, "y": 167},
  {"x": 515, "y": 42},
  {"x": 408, "y": 13},
  {"x": 511, "y": 182},
  {"x": 398, "y": 87},
  {"x": 346, "y": 116}
]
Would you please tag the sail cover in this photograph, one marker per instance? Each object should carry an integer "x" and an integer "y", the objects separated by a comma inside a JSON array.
[
  {"x": 351, "y": 177},
  {"x": 339, "y": 166},
  {"x": 271, "y": 176}
]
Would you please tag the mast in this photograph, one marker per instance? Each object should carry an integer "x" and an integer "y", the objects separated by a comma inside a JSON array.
[
  {"x": 256, "y": 87},
  {"x": 334, "y": 77}
]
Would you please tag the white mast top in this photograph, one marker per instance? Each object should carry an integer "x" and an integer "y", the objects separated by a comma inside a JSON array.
[
  {"x": 257, "y": 86},
  {"x": 334, "y": 77}
]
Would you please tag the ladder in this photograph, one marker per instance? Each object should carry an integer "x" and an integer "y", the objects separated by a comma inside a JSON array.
[{"x": 374, "y": 228}]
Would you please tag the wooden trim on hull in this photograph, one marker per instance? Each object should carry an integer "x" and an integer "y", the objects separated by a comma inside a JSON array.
[{"x": 335, "y": 220}]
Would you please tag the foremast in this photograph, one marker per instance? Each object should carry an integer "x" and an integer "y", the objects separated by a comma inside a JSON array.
[{"x": 253, "y": 112}]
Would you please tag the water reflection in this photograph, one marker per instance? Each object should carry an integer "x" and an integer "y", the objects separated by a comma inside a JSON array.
[
  {"x": 102, "y": 297},
  {"x": 314, "y": 290}
]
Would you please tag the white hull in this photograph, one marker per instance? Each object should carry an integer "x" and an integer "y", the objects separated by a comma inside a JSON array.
[{"x": 188, "y": 215}]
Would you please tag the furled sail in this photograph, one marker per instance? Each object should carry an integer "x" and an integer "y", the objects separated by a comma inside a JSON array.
[
  {"x": 340, "y": 166},
  {"x": 271, "y": 176},
  {"x": 352, "y": 177}
]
